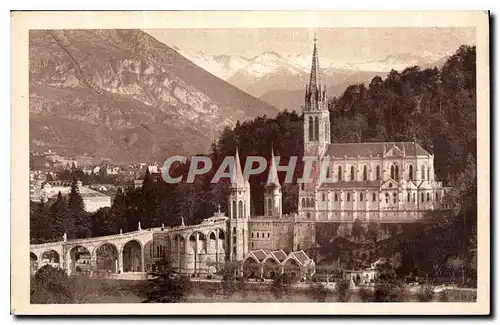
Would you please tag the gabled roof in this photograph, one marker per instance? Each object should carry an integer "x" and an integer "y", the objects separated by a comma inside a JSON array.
[
  {"x": 279, "y": 255},
  {"x": 301, "y": 257},
  {"x": 259, "y": 254},
  {"x": 367, "y": 149}
]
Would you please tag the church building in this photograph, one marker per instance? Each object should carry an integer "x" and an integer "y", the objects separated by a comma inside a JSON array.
[{"x": 382, "y": 182}]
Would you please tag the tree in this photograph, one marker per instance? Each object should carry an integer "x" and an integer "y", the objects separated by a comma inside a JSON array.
[
  {"x": 357, "y": 229},
  {"x": 372, "y": 231},
  {"x": 342, "y": 290},
  {"x": 63, "y": 219},
  {"x": 41, "y": 222},
  {"x": 318, "y": 292},
  {"x": 77, "y": 210},
  {"x": 281, "y": 285},
  {"x": 166, "y": 286},
  {"x": 51, "y": 286}
]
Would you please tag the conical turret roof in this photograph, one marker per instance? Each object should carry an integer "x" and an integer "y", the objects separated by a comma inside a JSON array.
[{"x": 272, "y": 178}]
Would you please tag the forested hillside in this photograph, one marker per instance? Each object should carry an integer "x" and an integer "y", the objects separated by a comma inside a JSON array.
[{"x": 436, "y": 107}]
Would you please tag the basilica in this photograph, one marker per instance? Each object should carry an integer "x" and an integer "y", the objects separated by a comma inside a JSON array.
[{"x": 381, "y": 182}]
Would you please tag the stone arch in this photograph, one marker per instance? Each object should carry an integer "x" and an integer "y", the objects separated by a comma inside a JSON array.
[
  {"x": 198, "y": 246},
  {"x": 79, "y": 260},
  {"x": 251, "y": 267},
  {"x": 51, "y": 257},
  {"x": 270, "y": 267},
  {"x": 291, "y": 267},
  {"x": 33, "y": 262},
  {"x": 106, "y": 257},
  {"x": 132, "y": 256}
]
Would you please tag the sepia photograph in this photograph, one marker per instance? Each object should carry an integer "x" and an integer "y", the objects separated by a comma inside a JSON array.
[{"x": 249, "y": 164}]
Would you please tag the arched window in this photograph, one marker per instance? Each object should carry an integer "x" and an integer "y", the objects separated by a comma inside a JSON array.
[
  {"x": 257, "y": 235},
  {"x": 352, "y": 173},
  {"x": 340, "y": 173},
  {"x": 386, "y": 197},
  {"x": 397, "y": 172},
  {"x": 378, "y": 173},
  {"x": 316, "y": 129},
  {"x": 392, "y": 172},
  {"x": 365, "y": 173},
  {"x": 394, "y": 197},
  {"x": 428, "y": 174},
  {"x": 302, "y": 186},
  {"x": 408, "y": 199},
  {"x": 423, "y": 172},
  {"x": 410, "y": 173},
  {"x": 267, "y": 235},
  {"x": 336, "y": 197},
  {"x": 240, "y": 209},
  {"x": 328, "y": 172},
  {"x": 323, "y": 197},
  {"x": 374, "y": 197},
  {"x": 348, "y": 197},
  {"x": 233, "y": 212},
  {"x": 252, "y": 234},
  {"x": 428, "y": 197},
  {"x": 311, "y": 128},
  {"x": 422, "y": 197},
  {"x": 361, "y": 196},
  {"x": 269, "y": 207},
  {"x": 303, "y": 202},
  {"x": 414, "y": 197},
  {"x": 437, "y": 197}
]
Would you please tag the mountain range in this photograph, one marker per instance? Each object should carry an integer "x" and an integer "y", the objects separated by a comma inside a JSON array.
[
  {"x": 280, "y": 79},
  {"x": 123, "y": 95}
]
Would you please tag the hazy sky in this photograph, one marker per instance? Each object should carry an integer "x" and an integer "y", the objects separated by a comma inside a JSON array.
[{"x": 350, "y": 44}]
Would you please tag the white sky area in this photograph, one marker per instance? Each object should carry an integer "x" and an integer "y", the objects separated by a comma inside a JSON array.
[{"x": 345, "y": 44}]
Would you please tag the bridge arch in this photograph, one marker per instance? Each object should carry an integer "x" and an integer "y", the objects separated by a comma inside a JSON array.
[
  {"x": 51, "y": 257},
  {"x": 33, "y": 262},
  {"x": 132, "y": 256},
  {"x": 106, "y": 257},
  {"x": 79, "y": 260}
]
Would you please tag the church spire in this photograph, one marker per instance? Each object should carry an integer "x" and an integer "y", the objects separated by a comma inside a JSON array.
[
  {"x": 272, "y": 178},
  {"x": 237, "y": 179},
  {"x": 314, "y": 80}
]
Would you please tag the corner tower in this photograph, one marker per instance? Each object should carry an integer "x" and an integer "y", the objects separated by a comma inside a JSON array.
[
  {"x": 239, "y": 213},
  {"x": 316, "y": 114},
  {"x": 272, "y": 191}
]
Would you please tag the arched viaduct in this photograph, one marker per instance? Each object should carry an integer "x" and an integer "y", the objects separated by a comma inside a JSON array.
[{"x": 190, "y": 249}]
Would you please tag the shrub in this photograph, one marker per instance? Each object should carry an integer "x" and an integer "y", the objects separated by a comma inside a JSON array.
[
  {"x": 343, "y": 290},
  {"x": 366, "y": 295},
  {"x": 228, "y": 285},
  {"x": 425, "y": 293},
  {"x": 388, "y": 291},
  {"x": 280, "y": 285},
  {"x": 318, "y": 292},
  {"x": 443, "y": 296},
  {"x": 166, "y": 285},
  {"x": 51, "y": 286}
]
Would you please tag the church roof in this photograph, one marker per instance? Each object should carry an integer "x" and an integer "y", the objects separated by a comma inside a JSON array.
[
  {"x": 367, "y": 149},
  {"x": 237, "y": 178},
  {"x": 272, "y": 179}
]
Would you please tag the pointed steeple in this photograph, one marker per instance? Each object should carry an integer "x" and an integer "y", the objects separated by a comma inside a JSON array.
[
  {"x": 272, "y": 178},
  {"x": 314, "y": 80},
  {"x": 237, "y": 179}
]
